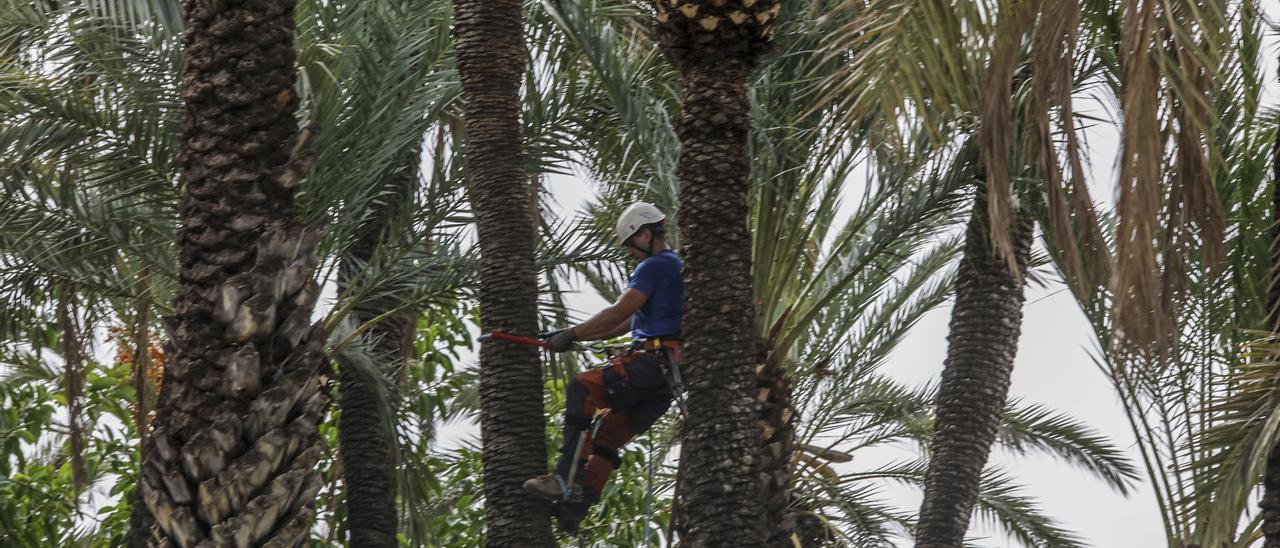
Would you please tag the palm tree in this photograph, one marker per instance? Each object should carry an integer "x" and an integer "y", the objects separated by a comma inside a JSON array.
[
  {"x": 364, "y": 427},
  {"x": 1198, "y": 391},
  {"x": 377, "y": 92},
  {"x": 716, "y": 45},
  {"x": 952, "y": 88},
  {"x": 233, "y": 454},
  {"x": 491, "y": 61},
  {"x": 986, "y": 319},
  {"x": 985, "y": 325},
  {"x": 109, "y": 235},
  {"x": 112, "y": 237}
]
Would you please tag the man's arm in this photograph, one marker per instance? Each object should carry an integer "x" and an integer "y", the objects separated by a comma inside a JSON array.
[
  {"x": 622, "y": 329},
  {"x": 612, "y": 321}
]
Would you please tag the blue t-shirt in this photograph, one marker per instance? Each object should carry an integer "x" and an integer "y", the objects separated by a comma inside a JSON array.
[{"x": 658, "y": 277}]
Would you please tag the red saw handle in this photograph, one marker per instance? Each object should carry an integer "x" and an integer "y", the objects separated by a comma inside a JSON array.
[{"x": 512, "y": 338}]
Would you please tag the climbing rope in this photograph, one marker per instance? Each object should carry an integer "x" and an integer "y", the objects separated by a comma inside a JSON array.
[{"x": 648, "y": 501}]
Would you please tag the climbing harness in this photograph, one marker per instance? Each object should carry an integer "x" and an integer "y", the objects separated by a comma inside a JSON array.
[
  {"x": 666, "y": 348},
  {"x": 615, "y": 383}
]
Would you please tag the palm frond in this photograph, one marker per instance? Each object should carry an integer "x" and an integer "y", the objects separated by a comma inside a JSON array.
[{"x": 1035, "y": 427}]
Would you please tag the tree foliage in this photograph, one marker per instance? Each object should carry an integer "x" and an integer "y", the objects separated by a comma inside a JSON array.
[{"x": 865, "y": 131}]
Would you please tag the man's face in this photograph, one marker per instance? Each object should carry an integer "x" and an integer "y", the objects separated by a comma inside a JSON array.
[{"x": 636, "y": 245}]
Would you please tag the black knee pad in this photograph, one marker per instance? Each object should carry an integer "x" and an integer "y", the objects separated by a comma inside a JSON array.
[{"x": 608, "y": 454}]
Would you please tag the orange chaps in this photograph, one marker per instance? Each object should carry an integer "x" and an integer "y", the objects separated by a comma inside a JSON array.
[{"x": 633, "y": 394}]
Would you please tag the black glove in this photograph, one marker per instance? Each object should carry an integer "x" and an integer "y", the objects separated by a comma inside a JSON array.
[{"x": 561, "y": 341}]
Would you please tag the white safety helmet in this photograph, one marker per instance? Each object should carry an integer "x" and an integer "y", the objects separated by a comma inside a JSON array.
[{"x": 636, "y": 216}]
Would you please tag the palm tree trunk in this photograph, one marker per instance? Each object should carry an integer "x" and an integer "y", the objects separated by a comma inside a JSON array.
[
  {"x": 233, "y": 452},
  {"x": 365, "y": 435},
  {"x": 716, "y": 44},
  {"x": 491, "y": 59},
  {"x": 985, "y": 325},
  {"x": 722, "y": 504},
  {"x": 73, "y": 384},
  {"x": 1270, "y": 503},
  {"x": 365, "y": 443},
  {"x": 777, "y": 416},
  {"x": 141, "y": 361}
]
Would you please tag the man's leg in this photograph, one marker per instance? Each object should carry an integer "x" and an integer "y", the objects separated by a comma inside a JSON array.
[
  {"x": 617, "y": 429},
  {"x": 650, "y": 398},
  {"x": 584, "y": 395},
  {"x": 601, "y": 458},
  {"x": 615, "y": 432},
  {"x": 646, "y": 397}
]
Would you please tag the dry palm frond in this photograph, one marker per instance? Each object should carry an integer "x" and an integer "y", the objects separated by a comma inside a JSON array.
[
  {"x": 1140, "y": 311},
  {"x": 1171, "y": 58},
  {"x": 1193, "y": 199},
  {"x": 1071, "y": 217},
  {"x": 995, "y": 130}
]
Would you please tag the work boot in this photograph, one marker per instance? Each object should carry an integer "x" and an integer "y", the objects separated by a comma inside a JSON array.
[
  {"x": 552, "y": 487},
  {"x": 571, "y": 513}
]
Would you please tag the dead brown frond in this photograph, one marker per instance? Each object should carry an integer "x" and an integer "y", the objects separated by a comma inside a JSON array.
[
  {"x": 1141, "y": 316},
  {"x": 995, "y": 129},
  {"x": 1193, "y": 210},
  {"x": 1073, "y": 223},
  {"x": 1169, "y": 209}
]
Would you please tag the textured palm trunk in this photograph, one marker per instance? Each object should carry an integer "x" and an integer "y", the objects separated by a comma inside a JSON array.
[
  {"x": 365, "y": 442},
  {"x": 1270, "y": 503},
  {"x": 722, "y": 486},
  {"x": 716, "y": 43},
  {"x": 73, "y": 384},
  {"x": 491, "y": 59},
  {"x": 141, "y": 361},
  {"x": 777, "y": 433},
  {"x": 232, "y": 456},
  {"x": 985, "y": 325},
  {"x": 365, "y": 436}
]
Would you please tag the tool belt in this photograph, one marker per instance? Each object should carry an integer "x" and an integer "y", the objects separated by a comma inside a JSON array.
[
  {"x": 646, "y": 345},
  {"x": 616, "y": 383}
]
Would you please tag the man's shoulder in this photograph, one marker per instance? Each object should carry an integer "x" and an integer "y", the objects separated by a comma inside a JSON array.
[
  {"x": 662, "y": 262},
  {"x": 669, "y": 257}
]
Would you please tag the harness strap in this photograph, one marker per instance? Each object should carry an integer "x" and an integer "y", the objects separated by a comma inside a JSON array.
[
  {"x": 656, "y": 343},
  {"x": 609, "y": 454},
  {"x": 640, "y": 346},
  {"x": 564, "y": 487}
]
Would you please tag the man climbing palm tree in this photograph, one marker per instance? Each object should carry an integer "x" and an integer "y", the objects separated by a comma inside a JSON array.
[{"x": 632, "y": 391}]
